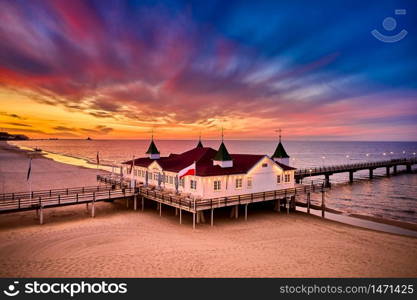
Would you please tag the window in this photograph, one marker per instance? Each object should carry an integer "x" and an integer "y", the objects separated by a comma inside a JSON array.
[
  {"x": 264, "y": 165},
  {"x": 287, "y": 177},
  {"x": 155, "y": 176},
  {"x": 182, "y": 182},
  {"x": 239, "y": 183},
  {"x": 193, "y": 184},
  {"x": 217, "y": 185},
  {"x": 149, "y": 175},
  {"x": 171, "y": 179},
  {"x": 249, "y": 182},
  {"x": 278, "y": 178}
]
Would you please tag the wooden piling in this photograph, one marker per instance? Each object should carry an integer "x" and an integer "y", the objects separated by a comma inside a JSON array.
[
  {"x": 212, "y": 217},
  {"x": 135, "y": 202},
  {"x": 193, "y": 220},
  {"x": 236, "y": 211},
  {"x": 371, "y": 173},
  {"x": 246, "y": 211},
  {"x": 323, "y": 205},
  {"x": 180, "y": 216},
  {"x": 143, "y": 203},
  {"x": 160, "y": 209},
  {"x": 288, "y": 205},
  {"x": 350, "y": 176},
  {"x": 388, "y": 174},
  {"x": 327, "y": 180},
  {"x": 408, "y": 166},
  {"x": 93, "y": 212},
  {"x": 308, "y": 202},
  {"x": 41, "y": 215}
]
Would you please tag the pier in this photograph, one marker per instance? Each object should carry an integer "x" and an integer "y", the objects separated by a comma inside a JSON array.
[
  {"x": 285, "y": 200},
  {"x": 118, "y": 188},
  {"x": 40, "y": 200},
  {"x": 327, "y": 171}
]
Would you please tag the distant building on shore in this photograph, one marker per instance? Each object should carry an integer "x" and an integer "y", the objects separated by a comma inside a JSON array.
[
  {"x": 204, "y": 172},
  {"x": 5, "y": 136}
]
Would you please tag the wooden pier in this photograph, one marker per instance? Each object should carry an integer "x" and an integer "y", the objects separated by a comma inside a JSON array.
[
  {"x": 352, "y": 168},
  {"x": 117, "y": 188},
  {"x": 40, "y": 200},
  {"x": 284, "y": 200}
]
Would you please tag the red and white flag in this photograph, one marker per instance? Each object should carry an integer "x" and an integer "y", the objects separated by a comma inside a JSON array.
[{"x": 190, "y": 170}]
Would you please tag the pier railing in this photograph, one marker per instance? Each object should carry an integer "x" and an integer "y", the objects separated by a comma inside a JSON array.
[
  {"x": 195, "y": 204},
  {"x": 353, "y": 167},
  {"x": 52, "y": 192},
  {"x": 42, "y": 200}
]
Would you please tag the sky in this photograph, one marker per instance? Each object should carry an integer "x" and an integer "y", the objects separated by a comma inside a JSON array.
[{"x": 121, "y": 69}]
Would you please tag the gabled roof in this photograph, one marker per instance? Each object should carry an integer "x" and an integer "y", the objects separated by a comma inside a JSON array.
[
  {"x": 280, "y": 152},
  {"x": 203, "y": 157},
  {"x": 152, "y": 149},
  {"x": 222, "y": 154}
]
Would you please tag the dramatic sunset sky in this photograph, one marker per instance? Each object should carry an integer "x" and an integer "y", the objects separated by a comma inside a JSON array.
[{"x": 115, "y": 69}]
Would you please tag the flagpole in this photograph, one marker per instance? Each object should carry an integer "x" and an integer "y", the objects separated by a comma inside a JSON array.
[
  {"x": 28, "y": 178},
  {"x": 30, "y": 190}
]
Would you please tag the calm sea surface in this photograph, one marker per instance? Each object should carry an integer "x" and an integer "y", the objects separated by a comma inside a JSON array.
[{"x": 390, "y": 198}]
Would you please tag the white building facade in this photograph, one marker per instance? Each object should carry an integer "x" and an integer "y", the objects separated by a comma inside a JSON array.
[{"x": 216, "y": 173}]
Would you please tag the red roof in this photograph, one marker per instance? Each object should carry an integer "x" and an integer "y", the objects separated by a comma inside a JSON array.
[{"x": 203, "y": 157}]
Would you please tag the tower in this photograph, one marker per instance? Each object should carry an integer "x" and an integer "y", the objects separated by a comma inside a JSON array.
[
  {"x": 152, "y": 150},
  {"x": 280, "y": 155},
  {"x": 222, "y": 157}
]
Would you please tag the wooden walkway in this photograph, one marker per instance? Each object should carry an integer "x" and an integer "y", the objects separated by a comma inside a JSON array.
[
  {"x": 40, "y": 200},
  {"x": 327, "y": 171}
]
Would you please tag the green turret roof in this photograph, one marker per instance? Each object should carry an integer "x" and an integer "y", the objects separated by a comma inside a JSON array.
[
  {"x": 152, "y": 149},
  {"x": 222, "y": 154},
  {"x": 280, "y": 152}
]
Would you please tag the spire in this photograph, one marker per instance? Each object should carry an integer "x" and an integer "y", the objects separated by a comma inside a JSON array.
[
  {"x": 280, "y": 154},
  {"x": 222, "y": 154},
  {"x": 222, "y": 157},
  {"x": 152, "y": 150},
  {"x": 200, "y": 144}
]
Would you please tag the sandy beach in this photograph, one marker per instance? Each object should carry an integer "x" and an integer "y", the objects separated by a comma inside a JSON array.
[{"x": 120, "y": 242}]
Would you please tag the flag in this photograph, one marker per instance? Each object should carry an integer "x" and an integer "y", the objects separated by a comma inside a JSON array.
[
  {"x": 29, "y": 169},
  {"x": 98, "y": 159},
  {"x": 190, "y": 170}
]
